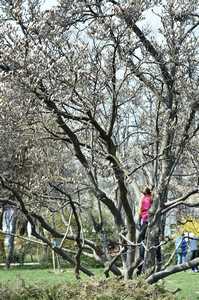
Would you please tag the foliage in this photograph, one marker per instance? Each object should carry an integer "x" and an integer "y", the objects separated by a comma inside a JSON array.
[
  {"x": 168, "y": 250},
  {"x": 90, "y": 262},
  {"x": 190, "y": 225},
  {"x": 32, "y": 276},
  {"x": 91, "y": 290}
]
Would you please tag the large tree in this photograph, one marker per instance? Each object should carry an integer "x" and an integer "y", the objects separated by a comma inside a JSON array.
[{"x": 117, "y": 99}]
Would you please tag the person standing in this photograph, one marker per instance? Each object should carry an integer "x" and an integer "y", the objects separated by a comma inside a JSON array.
[
  {"x": 145, "y": 205},
  {"x": 181, "y": 249},
  {"x": 193, "y": 243}
]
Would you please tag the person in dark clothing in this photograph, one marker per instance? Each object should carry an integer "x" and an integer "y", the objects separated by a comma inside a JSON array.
[{"x": 193, "y": 243}]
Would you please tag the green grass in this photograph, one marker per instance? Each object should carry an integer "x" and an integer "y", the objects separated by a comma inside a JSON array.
[
  {"x": 39, "y": 276},
  {"x": 188, "y": 282}
]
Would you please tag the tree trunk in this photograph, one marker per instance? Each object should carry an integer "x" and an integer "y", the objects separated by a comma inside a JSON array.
[
  {"x": 150, "y": 254},
  {"x": 2, "y": 248},
  {"x": 10, "y": 247}
]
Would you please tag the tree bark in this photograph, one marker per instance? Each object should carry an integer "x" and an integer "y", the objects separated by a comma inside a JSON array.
[
  {"x": 10, "y": 251},
  {"x": 172, "y": 270}
]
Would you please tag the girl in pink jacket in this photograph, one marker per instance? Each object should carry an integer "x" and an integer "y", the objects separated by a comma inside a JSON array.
[{"x": 146, "y": 202}]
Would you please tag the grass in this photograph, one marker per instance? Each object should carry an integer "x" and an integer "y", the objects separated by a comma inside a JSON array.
[
  {"x": 38, "y": 276},
  {"x": 188, "y": 282}
]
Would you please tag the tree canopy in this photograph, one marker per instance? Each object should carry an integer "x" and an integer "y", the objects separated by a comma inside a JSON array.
[{"x": 98, "y": 100}]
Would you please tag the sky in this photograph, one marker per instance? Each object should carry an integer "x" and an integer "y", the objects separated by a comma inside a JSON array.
[
  {"x": 49, "y": 3},
  {"x": 149, "y": 15},
  {"x": 151, "y": 18}
]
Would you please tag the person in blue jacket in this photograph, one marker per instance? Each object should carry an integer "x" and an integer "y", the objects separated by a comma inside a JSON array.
[{"x": 181, "y": 249}]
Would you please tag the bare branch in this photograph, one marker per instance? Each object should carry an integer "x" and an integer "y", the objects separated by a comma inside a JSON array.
[{"x": 172, "y": 270}]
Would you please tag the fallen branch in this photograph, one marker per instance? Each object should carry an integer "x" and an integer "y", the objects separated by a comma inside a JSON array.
[{"x": 172, "y": 270}]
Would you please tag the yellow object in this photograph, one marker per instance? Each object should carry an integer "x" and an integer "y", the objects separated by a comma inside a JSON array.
[{"x": 190, "y": 225}]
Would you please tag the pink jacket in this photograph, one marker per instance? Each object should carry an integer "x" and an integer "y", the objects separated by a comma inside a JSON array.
[{"x": 146, "y": 202}]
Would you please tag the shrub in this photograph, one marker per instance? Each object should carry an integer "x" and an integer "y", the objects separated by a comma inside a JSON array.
[{"x": 111, "y": 289}]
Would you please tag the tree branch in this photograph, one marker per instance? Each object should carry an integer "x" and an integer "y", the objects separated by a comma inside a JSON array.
[
  {"x": 168, "y": 204},
  {"x": 172, "y": 270}
]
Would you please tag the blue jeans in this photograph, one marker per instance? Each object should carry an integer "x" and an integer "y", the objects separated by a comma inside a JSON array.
[
  {"x": 194, "y": 254},
  {"x": 181, "y": 258}
]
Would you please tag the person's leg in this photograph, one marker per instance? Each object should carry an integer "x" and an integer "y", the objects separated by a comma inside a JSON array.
[
  {"x": 192, "y": 257},
  {"x": 195, "y": 256},
  {"x": 176, "y": 258},
  {"x": 179, "y": 259},
  {"x": 141, "y": 238},
  {"x": 142, "y": 234},
  {"x": 158, "y": 254},
  {"x": 184, "y": 258},
  {"x": 141, "y": 249}
]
